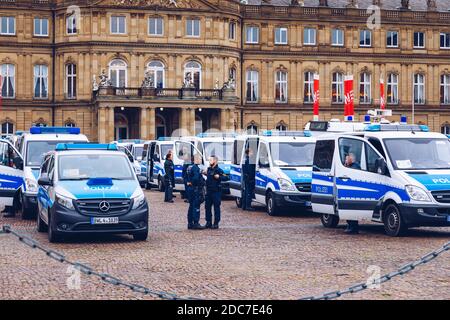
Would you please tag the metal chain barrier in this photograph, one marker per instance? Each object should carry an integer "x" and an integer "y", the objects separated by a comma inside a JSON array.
[{"x": 170, "y": 296}]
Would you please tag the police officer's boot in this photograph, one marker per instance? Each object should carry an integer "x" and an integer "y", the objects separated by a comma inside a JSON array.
[
  {"x": 352, "y": 227},
  {"x": 197, "y": 226},
  {"x": 215, "y": 226},
  {"x": 9, "y": 213},
  {"x": 208, "y": 225}
]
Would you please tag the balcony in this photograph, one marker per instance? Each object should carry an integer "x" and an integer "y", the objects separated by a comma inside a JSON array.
[{"x": 169, "y": 94}]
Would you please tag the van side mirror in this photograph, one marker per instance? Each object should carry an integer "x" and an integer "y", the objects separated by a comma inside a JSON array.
[
  {"x": 44, "y": 180},
  {"x": 381, "y": 167}
]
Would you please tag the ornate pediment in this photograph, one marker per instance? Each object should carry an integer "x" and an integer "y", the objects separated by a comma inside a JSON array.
[{"x": 171, "y": 4}]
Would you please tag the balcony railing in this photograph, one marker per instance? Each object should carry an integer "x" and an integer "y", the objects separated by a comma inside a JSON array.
[{"x": 166, "y": 93}]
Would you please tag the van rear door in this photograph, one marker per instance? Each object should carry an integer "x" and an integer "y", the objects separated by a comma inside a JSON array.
[{"x": 11, "y": 174}]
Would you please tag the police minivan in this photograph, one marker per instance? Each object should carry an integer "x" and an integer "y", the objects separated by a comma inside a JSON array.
[
  {"x": 33, "y": 146},
  {"x": 283, "y": 169},
  {"x": 90, "y": 188},
  {"x": 395, "y": 174}
]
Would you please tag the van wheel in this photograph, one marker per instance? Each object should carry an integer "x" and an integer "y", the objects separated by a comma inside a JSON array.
[
  {"x": 329, "y": 220},
  {"x": 394, "y": 225},
  {"x": 271, "y": 207},
  {"x": 141, "y": 236},
  {"x": 160, "y": 185},
  {"x": 238, "y": 202},
  {"x": 52, "y": 236},
  {"x": 148, "y": 186},
  {"x": 41, "y": 226}
]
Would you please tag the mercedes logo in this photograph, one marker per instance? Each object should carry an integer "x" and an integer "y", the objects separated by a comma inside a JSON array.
[{"x": 104, "y": 206}]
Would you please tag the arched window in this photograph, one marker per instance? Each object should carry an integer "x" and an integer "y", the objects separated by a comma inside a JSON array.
[
  {"x": 308, "y": 87},
  {"x": 118, "y": 73},
  {"x": 392, "y": 88},
  {"x": 419, "y": 88},
  {"x": 7, "y": 128},
  {"x": 71, "y": 81},
  {"x": 337, "y": 87},
  {"x": 252, "y": 94},
  {"x": 193, "y": 70},
  {"x": 70, "y": 124},
  {"x": 445, "y": 128},
  {"x": 252, "y": 129},
  {"x": 281, "y": 86},
  {"x": 7, "y": 71},
  {"x": 281, "y": 126},
  {"x": 156, "y": 70},
  {"x": 445, "y": 89},
  {"x": 40, "y": 81},
  {"x": 40, "y": 124},
  {"x": 365, "y": 88}
]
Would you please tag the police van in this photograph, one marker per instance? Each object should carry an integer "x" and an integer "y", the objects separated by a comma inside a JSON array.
[
  {"x": 283, "y": 169},
  {"x": 90, "y": 188},
  {"x": 318, "y": 128},
  {"x": 154, "y": 156},
  {"x": 33, "y": 146},
  {"x": 395, "y": 174},
  {"x": 218, "y": 144},
  {"x": 11, "y": 176}
]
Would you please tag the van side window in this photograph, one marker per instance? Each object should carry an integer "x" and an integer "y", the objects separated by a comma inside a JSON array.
[
  {"x": 8, "y": 157},
  {"x": 45, "y": 163},
  {"x": 377, "y": 145},
  {"x": 351, "y": 153},
  {"x": 263, "y": 160},
  {"x": 371, "y": 158},
  {"x": 237, "y": 151},
  {"x": 323, "y": 156},
  {"x": 51, "y": 166}
]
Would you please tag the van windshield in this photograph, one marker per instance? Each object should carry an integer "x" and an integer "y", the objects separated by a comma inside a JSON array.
[
  {"x": 37, "y": 149},
  {"x": 84, "y": 167},
  {"x": 292, "y": 154},
  {"x": 138, "y": 152},
  {"x": 419, "y": 153},
  {"x": 222, "y": 150}
]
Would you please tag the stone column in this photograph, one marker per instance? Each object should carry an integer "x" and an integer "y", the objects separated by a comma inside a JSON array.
[
  {"x": 101, "y": 124},
  {"x": 151, "y": 115},
  {"x": 110, "y": 124},
  {"x": 143, "y": 124},
  {"x": 191, "y": 121}
]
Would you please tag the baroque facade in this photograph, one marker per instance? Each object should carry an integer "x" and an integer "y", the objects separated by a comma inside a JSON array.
[{"x": 150, "y": 68}]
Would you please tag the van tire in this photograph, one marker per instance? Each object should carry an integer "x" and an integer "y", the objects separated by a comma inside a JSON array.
[
  {"x": 41, "y": 226},
  {"x": 238, "y": 201},
  {"x": 271, "y": 207},
  {"x": 52, "y": 236},
  {"x": 329, "y": 220},
  {"x": 141, "y": 236},
  {"x": 27, "y": 214},
  {"x": 394, "y": 224},
  {"x": 160, "y": 185}
]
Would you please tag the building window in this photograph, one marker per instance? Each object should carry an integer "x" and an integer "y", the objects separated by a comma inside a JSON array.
[
  {"x": 40, "y": 81},
  {"x": 445, "y": 40},
  {"x": 69, "y": 124},
  {"x": 419, "y": 88},
  {"x": 156, "y": 70},
  {"x": 308, "y": 87},
  {"x": 252, "y": 34},
  {"x": 337, "y": 88},
  {"x": 445, "y": 129},
  {"x": 7, "y": 128},
  {"x": 281, "y": 87},
  {"x": 232, "y": 31},
  {"x": 281, "y": 35},
  {"x": 71, "y": 81},
  {"x": 193, "y": 27},
  {"x": 8, "y": 26},
  {"x": 118, "y": 24},
  {"x": 392, "y": 88},
  {"x": 281, "y": 127},
  {"x": 252, "y": 86},
  {"x": 193, "y": 71},
  {"x": 156, "y": 26},
  {"x": 71, "y": 24},
  {"x": 365, "y": 95},
  {"x": 40, "y": 124},
  {"x": 445, "y": 89},
  {"x": 392, "y": 39},
  {"x": 252, "y": 129},
  {"x": 337, "y": 37},
  {"x": 419, "y": 40},
  {"x": 309, "y": 36},
  {"x": 118, "y": 73},
  {"x": 365, "y": 38},
  {"x": 41, "y": 27},
  {"x": 8, "y": 82}
]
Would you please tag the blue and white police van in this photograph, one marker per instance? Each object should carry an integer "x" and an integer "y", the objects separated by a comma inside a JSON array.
[
  {"x": 217, "y": 144},
  {"x": 11, "y": 176},
  {"x": 90, "y": 188},
  {"x": 395, "y": 174},
  {"x": 283, "y": 169},
  {"x": 33, "y": 146}
]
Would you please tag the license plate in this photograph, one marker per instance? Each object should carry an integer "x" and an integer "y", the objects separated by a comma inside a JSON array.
[{"x": 105, "y": 220}]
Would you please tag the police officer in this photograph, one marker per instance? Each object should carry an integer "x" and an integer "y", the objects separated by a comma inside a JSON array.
[
  {"x": 248, "y": 172},
  {"x": 214, "y": 178},
  {"x": 169, "y": 178},
  {"x": 350, "y": 162},
  {"x": 186, "y": 163},
  {"x": 195, "y": 184}
]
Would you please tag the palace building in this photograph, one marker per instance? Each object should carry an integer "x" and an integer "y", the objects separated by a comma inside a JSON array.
[{"x": 149, "y": 68}]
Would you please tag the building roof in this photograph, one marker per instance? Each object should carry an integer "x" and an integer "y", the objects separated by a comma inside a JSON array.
[{"x": 415, "y": 5}]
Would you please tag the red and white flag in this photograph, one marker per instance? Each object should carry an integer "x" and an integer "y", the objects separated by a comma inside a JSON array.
[
  {"x": 316, "y": 96},
  {"x": 349, "y": 98},
  {"x": 382, "y": 98}
]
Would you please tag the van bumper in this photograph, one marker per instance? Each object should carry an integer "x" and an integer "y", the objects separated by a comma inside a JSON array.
[
  {"x": 29, "y": 202},
  {"x": 419, "y": 215},
  {"x": 291, "y": 199}
]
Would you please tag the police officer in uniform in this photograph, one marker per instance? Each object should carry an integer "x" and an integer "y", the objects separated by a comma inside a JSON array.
[
  {"x": 214, "y": 178},
  {"x": 169, "y": 178},
  {"x": 248, "y": 172},
  {"x": 195, "y": 184},
  {"x": 350, "y": 162},
  {"x": 188, "y": 161}
]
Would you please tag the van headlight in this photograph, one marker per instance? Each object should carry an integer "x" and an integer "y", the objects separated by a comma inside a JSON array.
[
  {"x": 31, "y": 185},
  {"x": 65, "y": 202},
  {"x": 417, "y": 194},
  {"x": 138, "y": 201},
  {"x": 286, "y": 185}
]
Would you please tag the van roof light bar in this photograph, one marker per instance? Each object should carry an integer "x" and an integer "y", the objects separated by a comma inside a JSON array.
[
  {"x": 61, "y": 130},
  {"x": 86, "y": 146}
]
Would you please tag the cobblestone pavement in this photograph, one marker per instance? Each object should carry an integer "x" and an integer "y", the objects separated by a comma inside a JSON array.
[{"x": 252, "y": 256}]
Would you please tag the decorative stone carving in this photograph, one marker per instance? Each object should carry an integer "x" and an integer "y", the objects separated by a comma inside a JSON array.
[
  {"x": 187, "y": 4},
  {"x": 431, "y": 4},
  {"x": 188, "y": 81},
  {"x": 148, "y": 81},
  {"x": 94, "y": 83},
  {"x": 352, "y": 4},
  {"x": 104, "y": 80},
  {"x": 405, "y": 5}
]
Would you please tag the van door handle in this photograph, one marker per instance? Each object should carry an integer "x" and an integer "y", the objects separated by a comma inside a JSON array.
[{"x": 344, "y": 178}]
